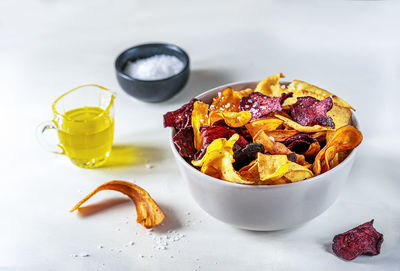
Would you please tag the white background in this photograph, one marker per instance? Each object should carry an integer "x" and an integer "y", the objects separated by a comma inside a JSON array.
[{"x": 50, "y": 46}]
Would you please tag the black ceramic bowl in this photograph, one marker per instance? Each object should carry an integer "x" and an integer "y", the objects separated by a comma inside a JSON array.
[{"x": 155, "y": 90}]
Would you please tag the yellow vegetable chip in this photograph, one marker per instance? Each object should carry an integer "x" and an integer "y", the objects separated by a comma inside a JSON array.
[
  {"x": 270, "y": 86},
  {"x": 272, "y": 167},
  {"x": 305, "y": 129},
  {"x": 300, "y": 88},
  {"x": 340, "y": 115},
  {"x": 217, "y": 162},
  {"x": 232, "y": 119},
  {"x": 199, "y": 118}
]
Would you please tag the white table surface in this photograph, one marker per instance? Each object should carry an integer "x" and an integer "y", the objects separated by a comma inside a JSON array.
[{"x": 50, "y": 46}]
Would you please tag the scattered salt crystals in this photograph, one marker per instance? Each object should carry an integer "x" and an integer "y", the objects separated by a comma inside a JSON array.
[
  {"x": 219, "y": 94},
  {"x": 171, "y": 257},
  {"x": 120, "y": 250},
  {"x": 149, "y": 166},
  {"x": 188, "y": 213},
  {"x": 131, "y": 243},
  {"x": 85, "y": 255},
  {"x": 101, "y": 246},
  {"x": 283, "y": 86},
  {"x": 156, "y": 67},
  {"x": 74, "y": 255},
  {"x": 117, "y": 229},
  {"x": 272, "y": 138},
  {"x": 79, "y": 191},
  {"x": 140, "y": 256}
]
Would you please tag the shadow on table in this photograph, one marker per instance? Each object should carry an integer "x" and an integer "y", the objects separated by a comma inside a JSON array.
[
  {"x": 200, "y": 80},
  {"x": 95, "y": 208},
  {"x": 124, "y": 155},
  {"x": 171, "y": 221}
]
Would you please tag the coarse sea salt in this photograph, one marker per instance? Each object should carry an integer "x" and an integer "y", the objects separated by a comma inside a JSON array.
[{"x": 156, "y": 67}]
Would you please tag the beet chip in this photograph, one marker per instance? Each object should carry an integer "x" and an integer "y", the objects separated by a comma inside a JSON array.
[
  {"x": 362, "y": 240},
  {"x": 308, "y": 111},
  {"x": 260, "y": 105},
  {"x": 184, "y": 142},
  {"x": 181, "y": 117},
  {"x": 299, "y": 143},
  {"x": 219, "y": 131},
  {"x": 244, "y": 156}
]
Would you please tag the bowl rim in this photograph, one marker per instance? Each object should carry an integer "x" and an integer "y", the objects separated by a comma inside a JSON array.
[
  {"x": 217, "y": 181},
  {"x": 120, "y": 72}
]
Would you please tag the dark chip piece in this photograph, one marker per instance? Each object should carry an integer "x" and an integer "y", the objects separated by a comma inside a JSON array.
[
  {"x": 260, "y": 105},
  {"x": 199, "y": 155},
  {"x": 309, "y": 111},
  {"x": 220, "y": 131},
  {"x": 362, "y": 240},
  {"x": 244, "y": 156},
  {"x": 184, "y": 142},
  {"x": 181, "y": 117},
  {"x": 299, "y": 143},
  {"x": 292, "y": 157}
]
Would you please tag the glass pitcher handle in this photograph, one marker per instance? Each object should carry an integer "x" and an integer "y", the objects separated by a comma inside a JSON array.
[{"x": 40, "y": 131}]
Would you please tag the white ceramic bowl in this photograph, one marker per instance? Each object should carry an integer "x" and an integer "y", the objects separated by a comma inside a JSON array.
[{"x": 263, "y": 207}]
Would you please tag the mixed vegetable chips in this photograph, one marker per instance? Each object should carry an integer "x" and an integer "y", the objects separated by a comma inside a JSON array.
[{"x": 270, "y": 135}]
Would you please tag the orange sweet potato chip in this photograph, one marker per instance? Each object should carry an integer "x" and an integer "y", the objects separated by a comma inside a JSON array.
[
  {"x": 269, "y": 124},
  {"x": 313, "y": 149},
  {"x": 149, "y": 214},
  {"x": 330, "y": 154},
  {"x": 281, "y": 135},
  {"x": 199, "y": 118},
  {"x": 227, "y": 101},
  {"x": 232, "y": 119},
  {"x": 346, "y": 138},
  {"x": 250, "y": 172},
  {"x": 270, "y": 146}
]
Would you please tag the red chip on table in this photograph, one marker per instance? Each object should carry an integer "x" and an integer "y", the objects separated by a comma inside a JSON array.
[{"x": 361, "y": 240}]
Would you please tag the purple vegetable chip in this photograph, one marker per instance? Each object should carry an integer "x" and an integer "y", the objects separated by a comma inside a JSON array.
[
  {"x": 309, "y": 111},
  {"x": 181, "y": 117},
  {"x": 299, "y": 143},
  {"x": 362, "y": 240},
  {"x": 260, "y": 105},
  {"x": 244, "y": 156},
  {"x": 221, "y": 131},
  {"x": 184, "y": 142}
]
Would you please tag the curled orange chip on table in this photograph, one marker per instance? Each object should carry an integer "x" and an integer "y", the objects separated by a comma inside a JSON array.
[
  {"x": 281, "y": 133},
  {"x": 149, "y": 214}
]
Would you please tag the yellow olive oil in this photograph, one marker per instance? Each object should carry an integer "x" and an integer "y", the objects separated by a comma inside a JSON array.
[{"x": 86, "y": 135}]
